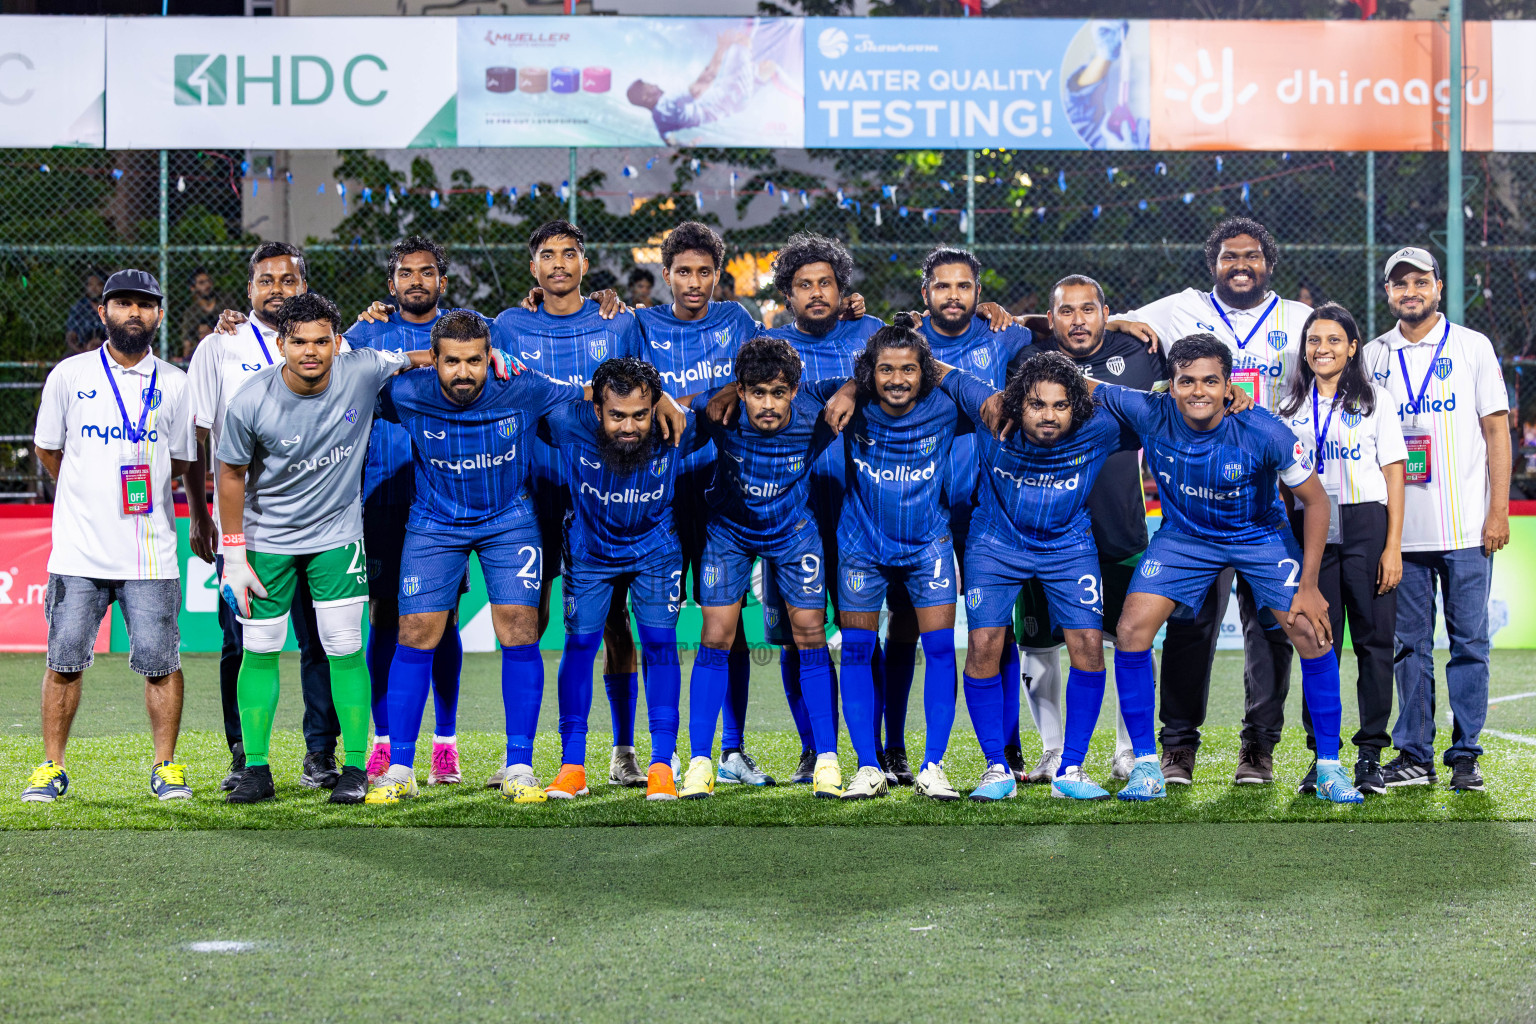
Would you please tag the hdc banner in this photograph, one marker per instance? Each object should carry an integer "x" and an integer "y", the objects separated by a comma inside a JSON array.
[{"x": 52, "y": 81}]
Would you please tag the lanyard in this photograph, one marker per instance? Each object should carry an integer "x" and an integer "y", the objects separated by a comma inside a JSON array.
[
  {"x": 1321, "y": 433},
  {"x": 1242, "y": 343},
  {"x": 261, "y": 341},
  {"x": 133, "y": 434},
  {"x": 1418, "y": 403}
]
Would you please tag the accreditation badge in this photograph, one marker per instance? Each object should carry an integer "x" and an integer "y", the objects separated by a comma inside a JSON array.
[
  {"x": 1248, "y": 380},
  {"x": 138, "y": 498},
  {"x": 1420, "y": 445}
]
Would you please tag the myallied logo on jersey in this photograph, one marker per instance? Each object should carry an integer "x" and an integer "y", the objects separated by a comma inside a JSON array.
[
  {"x": 973, "y": 598},
  {"x": 927, "y": 445},
  {"x": 855, "y": 580},
  {"x": 1115, "y": 365},
  {"x": 712, "y": 577},
  {"x": 1277, "y": 340},
  {"x": 152, "y": 397},
  {"x": 329, "y": 459},
  {"x": 1443, "y": 367},
  {"x": 410, "y": 585},
  {"x": 1232, "y": 471},
  {"x": 1351, "y": 419},
  {"x": 480, "y": 460},
  {"x": 1150, "y": 567},
  {"x": 504, "y": 427},
  {"x": 350, "y": 415},
  {"x": 598, "y": 347},
  {"x": 114, "y": 433}
]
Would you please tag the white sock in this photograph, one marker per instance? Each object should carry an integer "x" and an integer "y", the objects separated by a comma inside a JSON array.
[
  {"x": 826, "y": 759},
  {"x": 1147, "y": 759},
  {"x": 1322, "y": 761},
  {"x": 1042, "y": 692},
  {"x": 399, "y": 773},
  {"x": 621, "y": 749},
  {"x": 446, "y": 739},
  {"x": 381, "y": 739}
]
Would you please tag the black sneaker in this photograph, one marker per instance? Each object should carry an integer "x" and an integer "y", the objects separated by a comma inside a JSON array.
[
  {"x": 236, "y": 767},
  {"x": 1309, "y": 780},
  {"x": 350, "y": 787},
  {"x": 320, "y": 770},
  {"x": 1403, "y": 770},
  {"x": 1368, "y": 778},
  {"x": 1178, "y": 765},
  {"x": 1465, "y": 777},
  {"x": 1013, "y": 757},
  {"x": 882, "y": 758},
  {"x": 255, "y": 785},
  {"x": 805, "y": 771},
  {"x": 896, "y": 765}
]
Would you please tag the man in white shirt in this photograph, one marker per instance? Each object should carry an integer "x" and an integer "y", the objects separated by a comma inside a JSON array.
[
  {"x": 113, "y": 428},
  {"x": 1454, "y": 408},
  {"x": 1264, "y": 333},
  {"x": 221, "y": 364}
]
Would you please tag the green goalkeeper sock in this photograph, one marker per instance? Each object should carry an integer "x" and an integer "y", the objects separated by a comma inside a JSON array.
[
  {"x": 256, "y": 693},
  {"x": 352, "y": 693}
]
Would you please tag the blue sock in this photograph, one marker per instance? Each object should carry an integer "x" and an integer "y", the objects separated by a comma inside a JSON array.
[
  {"x": 818, "y": 685},
  {"x": 938, "y": 692},
  {"x": 859, "y": 693},
  {"x": 381, "y": 651},
  {"x": 877, "y": 692},
  {"x": 623, "y": 697},
  {"x": 410, "y": 673},
  {"x": 522, "y": 691},
  {"x": 733, "y": 724},
  {"x": 789, "y": 671},
  {"x": 1136, "y": 687},
  {"x": 706, "y": 692},
  {"x": 573, "y": 690},
  {"x": 1011, "y": 678},
  {"x": 984, "y": 700},
  {"x": 1320, "y": 689},
  {"x": 447, "y": 667},
  {"x": 1084, "y": 698},
  {"x": 896, "y": 688},
  {"x": 663, "y": 686}
]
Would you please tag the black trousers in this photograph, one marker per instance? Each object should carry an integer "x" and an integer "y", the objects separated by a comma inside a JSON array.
[
  {"x": 1189, "y": 646},
  {"x": 1347, "y": 580},
  {"x": 321, "y": 727}
]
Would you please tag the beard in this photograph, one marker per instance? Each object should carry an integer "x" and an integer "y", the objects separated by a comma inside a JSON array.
[
  {"x": 952, "y": 322},
  {"x": 419, "y": 306},
  {"x": 625, "y": 457},
  {"x": 462, "y": 398},
  {"x": 1426, "y": 311},
  {"x": 816, "y": 328},
  {"x": 1242, "y": 300},
  {"x": 129, "y": 339},
  {"x": 1079, "y": 345}
]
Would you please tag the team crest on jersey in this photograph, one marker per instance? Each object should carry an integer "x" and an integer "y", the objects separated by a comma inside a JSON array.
[
  {"x": 771, "y": 616},
  {"x": 981, "y": 358},
  {"x": 570, "y": 603},
  {"x": 504, "y": 427},
  {"x": 375, "y": 569},
  {"x": 1277, "y": 340},
  {"x": 1351, "y": 419},
  {"x": 1079, "y": 460},
  {"x": 659, "y": 466},
  {"x": 723, "y": 337},
  {"x": 411, "y": 585},
  {"x": 856, "y": 580},
  {"x": 1115, "y": 365},
  {"x": 350, "y": 415},
  {"x": 711, "y": 575},
  {"x": 1443, "y": 367},
  {"x": 1233, "y": 470},
  {"x": 796, "y": 465},
  {"x": 973, "y": 598},
  {"x": 152, "y": 397},
  {"x": 598, "y": 347},
  {"x": 1150, "y": 567},
  {"x": 927, "y": 445},
  {"x": 1031, "y": 626}
]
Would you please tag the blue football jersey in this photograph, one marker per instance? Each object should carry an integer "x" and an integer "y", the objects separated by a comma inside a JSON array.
[
  {"x": 1036, "y": 496},
  {"x": 618, "y": 519},
  {"x": 761, "y": 483},
  {"x": 472, "y": 462},
  {"x": 897, "y": 465},
  {"x": 1218, "y": 485}
]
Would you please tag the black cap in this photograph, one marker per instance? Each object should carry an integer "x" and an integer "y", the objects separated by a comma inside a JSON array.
[{"x": 141, "y": 282}]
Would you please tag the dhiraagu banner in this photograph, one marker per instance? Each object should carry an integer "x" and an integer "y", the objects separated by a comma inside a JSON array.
[{"x": 280, "y": 83}]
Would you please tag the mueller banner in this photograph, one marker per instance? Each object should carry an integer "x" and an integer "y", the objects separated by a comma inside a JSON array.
[
  {"x": 53, "y": 81},
  {"x": 1329, "y": 85},
  {"x": 915, "y": 83},
  {"x": 563, "y": 81},
  {"x": 280, "y": 83}
]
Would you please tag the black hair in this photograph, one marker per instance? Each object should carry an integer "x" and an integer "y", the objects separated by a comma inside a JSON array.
[
  {"x": 945, "y": 255},
  {"x": 309, "y": 308},
  {"x": 198, "y": 272},
  {"x": 902, "y": 333},
  {"x": 554, "y": 229},
  {"x": 727, "y": 281},
  {"x": 600, "y": 279},
  {"x": 623, "y": 376},
  {"x": 1049, "y": 368},
  {"x": 1077, "y": 281},
  {"x": 765, "y": 359},
  {"x": 416, "y": 243},
  {"x": 805, "y": 248},
  {"x": 271, "y": 251},
  {"x": 1198, "y": 346},
  {"x": 1231, "y": 228},
  {"x": 641, "y": 274},
  {"x": 460, "y": 325},
  {"x": 691, "y": 236},
  {"x": 1355, "y": 393}
]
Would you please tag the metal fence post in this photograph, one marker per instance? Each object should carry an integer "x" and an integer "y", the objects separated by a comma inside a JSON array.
[
  {"x": 570, "y": 201},
  {"x": 165, "y": 284},
  {"x": 970, "y": 197},
  {"x": 1455, "y": 225},
  {"x": 1370, "y": 246}
]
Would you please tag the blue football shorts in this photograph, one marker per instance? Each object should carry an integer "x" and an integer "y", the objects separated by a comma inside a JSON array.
[
  {"x": 436, "y": 558},
  {"x": 794, "y": 562},
  {"x": 928, "y": 576},
  {"x": 1182, "y": 568},
  {"x": 655, "y": 589},
  {"x": 994, "y": 575}
]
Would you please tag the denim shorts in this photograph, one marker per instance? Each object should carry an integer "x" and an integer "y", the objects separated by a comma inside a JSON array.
[{"x": 75, "y": 605}]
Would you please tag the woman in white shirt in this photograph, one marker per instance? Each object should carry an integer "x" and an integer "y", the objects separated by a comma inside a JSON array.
[{"x": 1350, "y": 427}]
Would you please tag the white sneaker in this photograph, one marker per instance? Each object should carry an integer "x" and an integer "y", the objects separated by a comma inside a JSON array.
[
  {"x": 497, "y": 777},
  {"x": 518, "y": 773},
  {"x": 1123, "y": 764},
  {"x": 867, "y": 782},
  {"x": 623, "y": 769},
  {"x": 934, "y": 784},
  {"x": 1045, "y": 771}
]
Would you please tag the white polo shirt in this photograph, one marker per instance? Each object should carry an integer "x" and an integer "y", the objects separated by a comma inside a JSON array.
[
  {"x": 92, "y": 535},
  {"x": 1463, "y": 385},
  {"x": 1355, "y": 446},
  {"x": 221, "y": 363},
  {"x": 1266, "y": 338}
]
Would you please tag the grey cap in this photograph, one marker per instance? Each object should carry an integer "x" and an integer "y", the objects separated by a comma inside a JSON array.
[
  {"x": 140, "y": 282},
  {"x": 1412, "y": 255}
]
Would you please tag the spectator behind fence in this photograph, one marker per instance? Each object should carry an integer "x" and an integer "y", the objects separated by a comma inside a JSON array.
[
  {"x": 641, "y": 283},
  {"x": 725, "y": 291},
  {"x": 1445, "y": 381},
  {"x": 202, "y": 313},
  {"x": 83, "y": 328}
]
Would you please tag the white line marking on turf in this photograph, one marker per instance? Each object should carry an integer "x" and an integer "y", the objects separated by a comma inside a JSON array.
[
  {"x": 924, "y": 928},
  {"x": 1512, "y": 696},
  {"x": 220, "y": 946},
  {"x": 1527, "y": 740}
]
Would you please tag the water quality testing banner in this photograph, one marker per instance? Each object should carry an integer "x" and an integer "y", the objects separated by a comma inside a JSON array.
[
  {"x": 562, "y": 81},
  {"x": 967, "y": 83},
  {"x": 52, "y": 81}
]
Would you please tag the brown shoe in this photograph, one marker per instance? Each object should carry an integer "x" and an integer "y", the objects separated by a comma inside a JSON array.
[
  {"x": 1255, "y": 765},
  {"x": 1178, "y": 765}
]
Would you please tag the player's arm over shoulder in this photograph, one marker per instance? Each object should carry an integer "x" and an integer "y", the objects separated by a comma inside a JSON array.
[
  {"x": 1282, "y": 449},
  {"x": 967, "y": 390}
]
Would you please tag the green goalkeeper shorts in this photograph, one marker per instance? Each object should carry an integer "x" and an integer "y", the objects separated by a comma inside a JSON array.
[{"x": 335, "y": 577}]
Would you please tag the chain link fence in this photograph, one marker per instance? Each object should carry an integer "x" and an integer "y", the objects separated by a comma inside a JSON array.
[{"x": 1135, "y": 221}]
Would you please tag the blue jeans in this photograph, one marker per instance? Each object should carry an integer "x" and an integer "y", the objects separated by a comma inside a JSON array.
[{"x": 1464, "y": 577}]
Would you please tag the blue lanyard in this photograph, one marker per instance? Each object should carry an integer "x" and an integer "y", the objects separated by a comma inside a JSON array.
[
  {"x": 132, "y": 433},
  {"x": 1242, "y": 343},
  {"x": 1418, "y": 404},
  {"x": 262, "y": 342},
  {"x": 1321, "y": 434}
]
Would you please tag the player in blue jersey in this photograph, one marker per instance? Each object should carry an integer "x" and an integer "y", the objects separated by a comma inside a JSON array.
[
  {"x": 418, "y": 276},
  {"x": 1032, "y": 523},
  {"x": 1217, "y": 475},
  {"x": 759, "y": 508},
  {"x": 566, "y": 337},
  {"x": 620, "y": 539}
]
